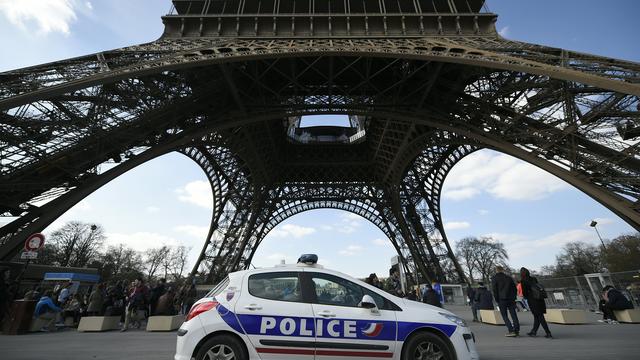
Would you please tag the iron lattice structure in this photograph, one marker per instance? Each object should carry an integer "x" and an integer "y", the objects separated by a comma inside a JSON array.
[{"x": 425, "y": 83}]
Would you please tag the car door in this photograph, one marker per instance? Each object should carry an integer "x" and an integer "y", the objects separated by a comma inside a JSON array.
[
  {"x": 343, "y": 328},
  {"x": 277, "y": 320}
]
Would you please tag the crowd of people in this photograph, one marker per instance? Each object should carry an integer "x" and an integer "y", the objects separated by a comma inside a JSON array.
[
  {"x": 510, "y": 295},
  {"x": 133, "y": 302},
  {"x": 431, "y": 293},
  {"x": 531, "y": 295}
]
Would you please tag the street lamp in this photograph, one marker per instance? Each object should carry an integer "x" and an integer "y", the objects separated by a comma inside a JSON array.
[{"x": 593, "y": 225}]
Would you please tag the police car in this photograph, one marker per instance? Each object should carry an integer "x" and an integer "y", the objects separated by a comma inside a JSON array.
[{"x": 307, "y": 312}]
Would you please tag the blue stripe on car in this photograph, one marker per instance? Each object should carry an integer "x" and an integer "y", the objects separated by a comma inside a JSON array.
[{"x": 251, "y": 324}]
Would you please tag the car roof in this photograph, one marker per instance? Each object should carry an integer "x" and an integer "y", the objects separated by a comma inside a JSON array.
[{"x": 239, "y": 275}]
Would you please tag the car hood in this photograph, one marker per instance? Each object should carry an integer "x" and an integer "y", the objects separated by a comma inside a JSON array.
[{"x": 410, "y": 305}]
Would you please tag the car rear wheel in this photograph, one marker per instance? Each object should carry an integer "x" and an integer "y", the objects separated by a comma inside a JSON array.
[
  {"x": 426, "y": 346},
  {"x": 222, "y": 347}
]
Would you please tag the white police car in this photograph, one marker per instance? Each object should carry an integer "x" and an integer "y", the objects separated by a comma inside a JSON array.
[{"x": 306, "y": 312}]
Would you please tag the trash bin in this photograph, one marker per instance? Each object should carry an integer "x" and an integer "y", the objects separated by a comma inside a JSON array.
[{"x": 19, "y": 318}]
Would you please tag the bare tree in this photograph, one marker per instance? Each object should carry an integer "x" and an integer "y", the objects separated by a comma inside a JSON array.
[
  {"x": 623, "y": 253},
  {"x": 155, "y": 258},
  {"x": 180, "y": 256},
  {"x": 578, "y": 258},
  {"x": 479, "y": 257},
  {"x": 77, "y": 243},
  {"x": 121, "y": 261},
  {"x": 466, "y": 255},
  {"x": 490, "y": 254}
]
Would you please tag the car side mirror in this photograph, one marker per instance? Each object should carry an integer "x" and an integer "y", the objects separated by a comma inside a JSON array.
[{"x": 368, "y": 302}]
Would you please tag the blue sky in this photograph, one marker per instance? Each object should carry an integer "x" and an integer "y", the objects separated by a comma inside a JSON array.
[{"x": 166, "y": 201}]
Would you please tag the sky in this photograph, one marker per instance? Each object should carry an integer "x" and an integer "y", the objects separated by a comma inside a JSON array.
[{"x": 167, "y": 200}]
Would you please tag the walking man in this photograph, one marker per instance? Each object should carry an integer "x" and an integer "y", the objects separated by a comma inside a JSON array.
[{"x": 504, "y": 291}]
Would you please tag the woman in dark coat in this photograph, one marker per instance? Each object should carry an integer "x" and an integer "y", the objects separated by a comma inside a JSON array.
[{"x": 537, "y": 306}]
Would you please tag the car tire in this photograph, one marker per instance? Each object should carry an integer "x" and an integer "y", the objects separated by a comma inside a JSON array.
[
  {"x": 426, "y": 345},
  {"x": 220, "y": 347}
]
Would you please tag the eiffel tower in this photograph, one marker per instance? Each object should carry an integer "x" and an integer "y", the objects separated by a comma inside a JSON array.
[{"x": 424, "y": 83}]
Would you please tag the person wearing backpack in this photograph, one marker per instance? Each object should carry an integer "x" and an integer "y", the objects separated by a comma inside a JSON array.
[{"x": 535, "y": 295}]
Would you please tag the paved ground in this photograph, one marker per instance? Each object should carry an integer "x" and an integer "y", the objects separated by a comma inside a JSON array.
[{"x": 584, "y": 342}]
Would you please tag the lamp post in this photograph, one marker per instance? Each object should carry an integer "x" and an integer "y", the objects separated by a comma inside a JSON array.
[{"x": 593, "y": 225}]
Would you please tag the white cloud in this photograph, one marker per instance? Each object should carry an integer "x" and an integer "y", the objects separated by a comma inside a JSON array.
[
  {"x": 351, "y": 216},
  {"x": 152, "y": 209},
  {"x": 456, "y": 225},
  {"x": 291, "y": 231},
  {"x": 198, "y": 232},
  {"x": 350, "y": 223},
  {"x": 276, "y": 258},
  {"x": 198, "y": 193},
  {"x": 504, "y": 32},
  {"x": 483, "y": 211},
  {"x": 525, "y": 182},
  {"x": 461, "y": 194},
  {"x": 141, "y": 241},
  {"x": 380, "y": 242},
  {"x": 88, "y": 5},
  {"x": 351, "y": 250},
  {"x": 502, "y": 176},
  {"x": 534, "y": 252},
  {"x": 48, "y": 15}
]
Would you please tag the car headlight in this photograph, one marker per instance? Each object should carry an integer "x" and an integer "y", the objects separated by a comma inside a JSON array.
[{"x": 458, "y": 321}]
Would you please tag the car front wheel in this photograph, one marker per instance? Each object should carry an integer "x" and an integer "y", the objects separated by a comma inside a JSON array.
[
  {"x": 222, "y": 347},
  {"x": 426, "y": 346}
]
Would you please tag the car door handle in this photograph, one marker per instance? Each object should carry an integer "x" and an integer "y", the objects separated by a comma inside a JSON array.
[
  {"x": 326, "y": 314},
  {"x": 253, "y": 307}
]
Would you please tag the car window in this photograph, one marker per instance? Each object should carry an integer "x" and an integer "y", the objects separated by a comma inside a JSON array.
[
  {"x": 218, "y": 288},
  {"x": 334, "y": 290},
  {"x": 282, "y": 286}
]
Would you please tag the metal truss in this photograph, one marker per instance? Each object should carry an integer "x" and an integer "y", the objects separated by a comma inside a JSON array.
[{"x": 427, "y": 96}]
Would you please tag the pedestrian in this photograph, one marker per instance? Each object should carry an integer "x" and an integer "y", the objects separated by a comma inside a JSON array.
[
  {"x": 438, "y": 289},
  {"x": 411, "y": 295},
  {"x": 394, "y": 285},
  {"x": 65, "y": 294},
  {"x": 430, "y": 296},
  {"x": 533, "y": 293},
  {"x": 73, "y": 309},
  {"x": 137, "y": 301},
  {"x": 5, "y": 297},
  {"x": 33, "y": 294},
  {"x": 156, "y": 293},
  {"x": 483, "y": 300},
  {"x": 471, "y": 294},
  {"x": 373, "y": 280},
  {"x": 612, "y": 300},
  {"x": 504, "y": 291},
  {"x": 165, "y": 303},
  {"x": 46, "y": 310},
  {"x": 521, "y": 299},
  {"x": 96, "y": 301},
  {"x": 189, "y": 298}
]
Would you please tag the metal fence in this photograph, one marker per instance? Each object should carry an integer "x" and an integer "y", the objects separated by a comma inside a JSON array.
[{"x": 585, "y": 291}]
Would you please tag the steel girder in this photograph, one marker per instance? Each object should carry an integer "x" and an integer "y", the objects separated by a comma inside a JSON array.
[
  {"x": 222, "y": 102},
  {"x": 221, "y": 254}
]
